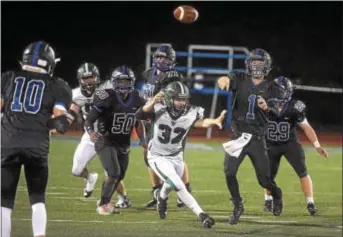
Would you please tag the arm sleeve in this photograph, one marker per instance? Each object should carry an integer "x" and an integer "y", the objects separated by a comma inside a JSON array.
[
  {"x": 93, "y": 115},
  {"x": 233, "y": 80},
  {"x": 62, "y": 94}
]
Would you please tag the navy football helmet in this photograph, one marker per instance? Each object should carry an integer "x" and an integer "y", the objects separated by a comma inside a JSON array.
[
  {"x": 258, "y": 63},
  {"x": 123, "y": 79},
  {"x": 164, "y": 57}
]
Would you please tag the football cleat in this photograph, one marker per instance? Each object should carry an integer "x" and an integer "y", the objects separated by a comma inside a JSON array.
[
  {"x": 277, "y": 207},
  {"x": 268, "y": 205},
  {"x": 123, "y": 203},
  {"x": 87, "y": 192},
  {"x": 311, "y": 208},
  {"x": 206, "y": 220},
  {"x": 179, "y": 203},
  {"x": 161, "y": 205},
  {"x": 151, "y": 204},
  {"x": 237, "y": 212},
  {"x": 107, "y": 209}
]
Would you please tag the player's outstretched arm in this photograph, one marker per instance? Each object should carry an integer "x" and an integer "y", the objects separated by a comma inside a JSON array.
[
  {"x": 312, "y": 137},
  {"x": 150, "y": 105},
  {"x": 207, "y": 122}
]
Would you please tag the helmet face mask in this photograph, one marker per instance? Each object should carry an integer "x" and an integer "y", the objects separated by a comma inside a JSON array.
[
  {"x": 164, "y": 58},
  {"x": 176, "y": 98},
  {"x": 89, "y": 78},
  {"x": 123, "y": 80},
  {"x": 89, "y": 84},
  {"x": 258, "y": 63},
  {"x": 281, "y": 93}
]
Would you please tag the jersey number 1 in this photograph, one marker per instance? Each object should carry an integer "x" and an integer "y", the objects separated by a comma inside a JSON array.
[
  {"x": 33, "y": 95},
  {"x": 251, "y": 107}
]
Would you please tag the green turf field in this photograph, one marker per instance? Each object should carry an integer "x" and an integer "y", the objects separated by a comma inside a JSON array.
[{"x": 69, "y": 214}]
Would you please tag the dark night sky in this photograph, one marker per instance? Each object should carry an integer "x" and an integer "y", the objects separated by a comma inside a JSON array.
[{"x": 112, "y": 33}]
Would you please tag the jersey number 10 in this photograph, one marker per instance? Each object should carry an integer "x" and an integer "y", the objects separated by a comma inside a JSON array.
[{"x": 30, "y": 99}]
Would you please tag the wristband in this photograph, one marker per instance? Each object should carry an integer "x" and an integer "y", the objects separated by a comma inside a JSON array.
[{"x": 142, "y": 140}]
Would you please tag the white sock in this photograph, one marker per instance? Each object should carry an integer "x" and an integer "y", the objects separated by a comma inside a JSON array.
[
  {"x": 39, "y": 219},
  {"x": 6, "y": 222},
  {"x": 121, "y": 198},
  {"x": 165, "y": 190},
  {"x": 189, "y": 200},
  {"x": 309, "y": 199},
  {"x": 268, "y": 197}
]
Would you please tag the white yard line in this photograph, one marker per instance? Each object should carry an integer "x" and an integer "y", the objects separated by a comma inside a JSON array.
[
  {"x": 195, "y": 191},
  {"x": 114, "y": 222}
]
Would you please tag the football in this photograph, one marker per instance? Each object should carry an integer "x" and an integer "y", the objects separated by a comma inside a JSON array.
[{"x": 186, "y": 14}]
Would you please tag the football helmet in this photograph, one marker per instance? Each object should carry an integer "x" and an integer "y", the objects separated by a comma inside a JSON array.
[
  {"x": 88, "y": 77},
  {"x": 176, "y": 97},
  {"x": 164, "y": 57},
  {"x": 281, "y": 92},
  {"x": 258, "y": 63},
  {"x": 123, "y": 79},
  {"x": 39, "y": 56}
]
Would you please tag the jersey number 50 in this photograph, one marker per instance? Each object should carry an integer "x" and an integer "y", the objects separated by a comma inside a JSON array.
[
  {"x": 166, "y": 134},
  {"x": 33, "y": 95},
  {"x": 123, "y": 123}
]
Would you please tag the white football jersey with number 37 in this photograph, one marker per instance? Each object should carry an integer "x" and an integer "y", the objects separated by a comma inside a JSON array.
[{"x": 170, "y": 135}]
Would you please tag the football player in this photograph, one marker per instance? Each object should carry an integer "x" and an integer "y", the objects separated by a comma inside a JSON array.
[
  {"x": 88, "y": 77},
  {"x": 115, "y": 111},
  {"x": 172, "y": 120},
  {"x": 155, "y": 79},
  {"x": 249, "y": 127},
  {"x": 29, "y": 97},
  {"x": 282, "y": 139}
]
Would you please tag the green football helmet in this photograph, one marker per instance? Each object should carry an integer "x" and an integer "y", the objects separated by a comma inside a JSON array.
[{"x": 176, "y": 97}]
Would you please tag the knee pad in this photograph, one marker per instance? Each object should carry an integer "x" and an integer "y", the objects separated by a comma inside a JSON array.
[{"x": 37, "y": 198}]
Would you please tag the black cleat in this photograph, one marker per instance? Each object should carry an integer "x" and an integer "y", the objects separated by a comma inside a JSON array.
[
  {"x": 277, "y": 207},
  {"x": 206, "y": 220},
  {"x": 161, "y": 205},
  {"x": 237, "y": 212},
  {"x": 86, "y": 193},
  {"x": 268, "y": 205},
  {"x": 179, "y": 203},
  {"x": 311, "y": 208},
  {"x": 151, "y": 204}
]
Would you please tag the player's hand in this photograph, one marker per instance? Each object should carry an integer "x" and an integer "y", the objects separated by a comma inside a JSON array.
[
  {"x": 94, "y": 137},
  {"x": 53, "y": 131},
  {"x": 322, "y": 152},
  {"x": 262, "y": 103},
  {"x": 224, "y": 83},
  {"x": 159, "y": 97},
  {"x": 220, "y": 119}
]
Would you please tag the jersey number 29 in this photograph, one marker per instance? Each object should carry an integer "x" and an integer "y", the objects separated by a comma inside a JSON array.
[{"x": 30, "y": 99}]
